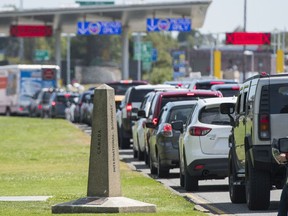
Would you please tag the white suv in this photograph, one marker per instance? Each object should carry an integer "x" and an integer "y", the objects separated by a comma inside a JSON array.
[
  {"x": 203, "y": 145},
  {"x": 260, "y": 118}
]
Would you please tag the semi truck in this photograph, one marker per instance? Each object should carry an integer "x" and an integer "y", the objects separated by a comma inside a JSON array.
[{"x": 18, "y": 84}]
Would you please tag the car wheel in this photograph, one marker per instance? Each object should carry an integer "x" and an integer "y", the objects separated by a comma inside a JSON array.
[
  {"x": 153, "y": 169},
  {"x": 191, "y": 183},
  {"x": 124, "y": 142},
  {"x": 236, "y": 192},
  {"x": 135, "y": 152},
  {"x": 258, "y": 186},
  {"x": 140, "y": 153},
  {"x": 182, "y": 180},
  {"x": 7, "y": 112},
  {"x": 146, "y": 158},
  {"x": 161, "y": 171}
]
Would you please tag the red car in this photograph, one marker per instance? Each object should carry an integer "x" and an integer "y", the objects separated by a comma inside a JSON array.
[{"x": 161, "y": 99}]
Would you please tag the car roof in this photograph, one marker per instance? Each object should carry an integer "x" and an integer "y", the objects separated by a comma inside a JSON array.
[
  {"x": 235, "y": 86},
  {"x": 158, "y": 86},
  {"x": 199, "y": 92},
  {"x": 211, "y": 101},
  {"x": 180, "y": 103}
]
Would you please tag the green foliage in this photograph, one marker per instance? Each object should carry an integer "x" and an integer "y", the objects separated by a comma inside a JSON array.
[
  {"x": 51, "y": 157},
  {"x": 159, "y": 75}
]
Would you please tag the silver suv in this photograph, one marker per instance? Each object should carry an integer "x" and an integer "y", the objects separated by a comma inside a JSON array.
[{"x": 260, "y": 117}]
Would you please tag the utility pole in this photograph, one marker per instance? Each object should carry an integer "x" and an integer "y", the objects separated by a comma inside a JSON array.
[
  {"x": 244, "y": 47},
  {"x": 21, "y": 40}
]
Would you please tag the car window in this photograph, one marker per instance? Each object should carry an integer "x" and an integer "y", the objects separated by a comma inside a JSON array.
[
  {"x": 229, "y": 92},
  {"x": 212, "y": 115},
  {"x": 138, "y": 95},
  {"x": 180, "y": 113},
  {"x": 278, "y": 98}
]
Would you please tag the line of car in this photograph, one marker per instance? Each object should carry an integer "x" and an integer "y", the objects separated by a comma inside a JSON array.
[{"x": 178, "y": 127}]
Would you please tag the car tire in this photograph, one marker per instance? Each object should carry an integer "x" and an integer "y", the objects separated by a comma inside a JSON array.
[
  {"x": 146, "y": 158},
  {"x": 162, "y": 172},
  {"x": 153, "y": 169},
  {"x": 191, "y": 183},
  {"x": 182, "y": 177},
  {"x": 140, "y": 153},
  {"x": 236, "y": 192},
  {"x": 257, "y": 185},
  {"x": 135, "y": 153},
  {"x": 7, "y": 112},
  {"x": 124, "y": 142}
]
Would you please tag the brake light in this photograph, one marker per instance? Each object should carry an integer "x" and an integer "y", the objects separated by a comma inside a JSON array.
[
  {"x": 66, "y": 95},
  {"x": 216, "y": 82},
  {"x": 155, "y": 121},
  {"x": 264, "y": 126},
  {"x": 199, "y": 131},
  {"x": 21, "y": 109},
  {"x": 129, "y": 107},
  {"x": 190, "y": 94},
  {"x": 53, "y": 103},
  {"x": 39, "y": 106},
  {"x": 235, "y": 88},
  {"x": 167, "y": 130}
]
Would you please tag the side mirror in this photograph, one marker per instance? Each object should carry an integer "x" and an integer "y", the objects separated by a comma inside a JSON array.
[
  {"x": 283, "y": 145},
  {"x": 227, "y": 108},
  {"x": 178, "y": 125},
  {"x": 150, "y": 125},
  {"x": 141, "y": 113}
]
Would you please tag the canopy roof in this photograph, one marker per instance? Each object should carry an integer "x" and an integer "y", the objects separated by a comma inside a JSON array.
[{"x": 132, "y": 16}]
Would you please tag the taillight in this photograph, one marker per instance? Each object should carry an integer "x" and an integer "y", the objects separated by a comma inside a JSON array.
[
  {"x": 155, "y": 121},
  {"x": 128, "y": 109},
  {"x": 20, "y": 108},
  {"x": 199, "y": 131},
  {"x": 264, "y": 126},
  {"x": 53, "y": 103},
  {"x": 39, "y": 107},
  {"x": 167, "y": 130}
]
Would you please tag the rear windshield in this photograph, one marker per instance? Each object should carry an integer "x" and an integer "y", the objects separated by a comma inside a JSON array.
[
  {"x": 65, "y": 98},
  {"x": 229, "y": 92},
  {"x": 278, "y": 98},
  {"x": 121, "y": 88},
  {"x": 213, "y": 116},
  {"x": 180, "y": 113},
  {"x": 138, "y": 95}
]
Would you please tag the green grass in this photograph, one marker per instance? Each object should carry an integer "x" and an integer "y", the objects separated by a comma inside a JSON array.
[{"x": 49, "y": 157}]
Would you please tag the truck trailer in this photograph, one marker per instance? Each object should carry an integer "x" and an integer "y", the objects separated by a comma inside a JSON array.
[{"x": 18, "y": 84}]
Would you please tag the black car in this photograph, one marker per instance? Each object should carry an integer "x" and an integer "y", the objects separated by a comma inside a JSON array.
[{"x": 58, "y": 102}]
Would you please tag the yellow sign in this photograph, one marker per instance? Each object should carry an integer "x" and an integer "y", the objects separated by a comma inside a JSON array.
[
  {"x": 217, "y": 64},
  {"x": 280, "y": 61}
]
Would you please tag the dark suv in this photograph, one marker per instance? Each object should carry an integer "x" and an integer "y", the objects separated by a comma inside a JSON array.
[
  {"x": 261, "y": 116},
  {"x": 133, "y": 99}
]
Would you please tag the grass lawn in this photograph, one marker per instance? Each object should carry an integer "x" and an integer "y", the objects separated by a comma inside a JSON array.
[{"x": 49, "y": 157}]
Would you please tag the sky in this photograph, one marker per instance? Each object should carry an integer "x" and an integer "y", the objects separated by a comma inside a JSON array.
[{"x": 222, "y": 15}]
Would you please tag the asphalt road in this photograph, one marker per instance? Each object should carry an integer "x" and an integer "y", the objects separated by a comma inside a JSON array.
[{"x": 212, "y": 197}]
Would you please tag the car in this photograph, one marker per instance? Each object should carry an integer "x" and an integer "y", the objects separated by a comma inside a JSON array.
[
  {"x": 207, "y": 83},
  {"x": 69, "y": 111},
  {"x": 138, "y": 128},
  {"x": 40, "y": 99},
  {"x": 78, "y": 112},
  {"x": 133, "y": 98},
  {"x": 164, "y": 147},
  {"x": 203, "y": 143},
  {"x": 120, "y": 87},
  {"x": 228, "y": 90},
  {"x": 258, "y": 119},
  {"x": 159, "y": 100},
  {"x": 85, "y": 115},
  {"x": 58, "y": 102}
]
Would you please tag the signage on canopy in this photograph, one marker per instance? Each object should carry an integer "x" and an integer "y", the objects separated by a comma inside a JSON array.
[
  {"x": 99, "y": 28},
  {"x": 248, "y": 38},
  {"x": 31, "y": 31},
  {"x": 168, "y": 24}
]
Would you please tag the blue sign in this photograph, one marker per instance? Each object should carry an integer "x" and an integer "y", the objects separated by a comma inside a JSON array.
[
  {"x": 99, "y": 28},
  {"x": 154, "y": 55},
  {"x": 168, "y": 24}
]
